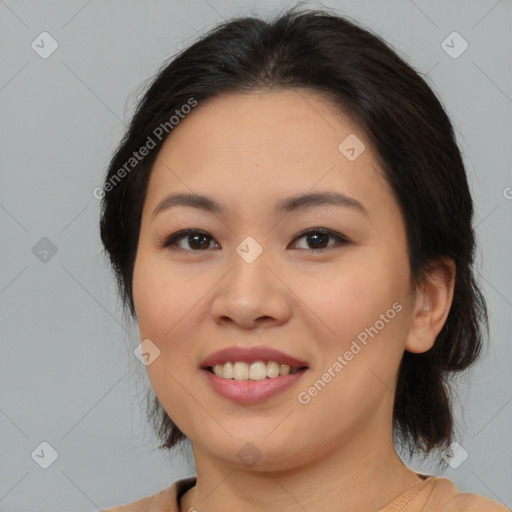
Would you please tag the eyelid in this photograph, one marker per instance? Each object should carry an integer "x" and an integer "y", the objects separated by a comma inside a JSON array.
[{"x": 170, "y": 242}]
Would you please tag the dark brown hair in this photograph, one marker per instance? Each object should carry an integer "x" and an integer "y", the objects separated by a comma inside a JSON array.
[{"x": 415, "y": 147}]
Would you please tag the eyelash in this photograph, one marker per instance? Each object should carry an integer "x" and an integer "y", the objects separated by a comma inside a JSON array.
[{"x": 171, "y": 241}]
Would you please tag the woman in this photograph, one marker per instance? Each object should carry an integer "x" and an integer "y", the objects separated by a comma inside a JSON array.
[{"x": 298, "y": 255}]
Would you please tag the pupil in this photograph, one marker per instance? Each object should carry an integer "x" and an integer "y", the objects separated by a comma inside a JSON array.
[
  {"x": 316, "y": 236},
  {"x": 203, "y": 237}
]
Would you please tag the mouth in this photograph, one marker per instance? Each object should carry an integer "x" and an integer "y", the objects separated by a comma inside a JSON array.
[
  {"x": 254, "y": 371},
  {"x": 248, "y": 375},
  {"x": 252, "y": 383},
  {"x": 252, "y": 363}
]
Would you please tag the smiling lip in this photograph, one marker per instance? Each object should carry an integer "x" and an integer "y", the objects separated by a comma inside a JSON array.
[
  {"x": 250, "y": 355},
  {"x": 251, "y": 391}
]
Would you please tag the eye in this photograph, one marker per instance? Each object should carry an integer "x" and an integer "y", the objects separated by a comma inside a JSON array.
[
  {"x": 199, "y": 240},
  {"x": 318, "y": 238}
]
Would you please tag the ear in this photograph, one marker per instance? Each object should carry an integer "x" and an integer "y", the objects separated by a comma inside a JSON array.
[{"x": 431, "y": 306}]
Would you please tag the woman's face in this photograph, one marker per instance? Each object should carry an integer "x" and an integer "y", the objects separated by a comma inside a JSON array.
[{"x": 342, "y": 305}]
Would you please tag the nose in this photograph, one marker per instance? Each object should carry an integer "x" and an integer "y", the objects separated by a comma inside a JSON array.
[{"x": 252, "y": 295}]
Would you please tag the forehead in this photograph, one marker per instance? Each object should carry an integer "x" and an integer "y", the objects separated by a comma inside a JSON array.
[
  {"x": 267, "y": 145},
  {"x": 269, "y": 125}
]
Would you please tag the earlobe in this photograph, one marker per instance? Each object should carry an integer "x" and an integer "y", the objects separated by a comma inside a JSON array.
[{"x": 431, "y": 307}]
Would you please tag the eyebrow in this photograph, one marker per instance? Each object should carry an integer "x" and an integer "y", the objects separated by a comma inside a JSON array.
[{"x": 288, "y": 205}]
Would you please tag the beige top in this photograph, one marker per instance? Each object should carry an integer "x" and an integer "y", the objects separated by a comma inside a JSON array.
[{"x": 434, "y": 494}]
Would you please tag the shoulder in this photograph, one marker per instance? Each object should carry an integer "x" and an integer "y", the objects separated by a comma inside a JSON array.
[
  {"x": 451, "y": 500},
  {"x": 469, "y": 502},
  {"x": 147, "y": 504}
]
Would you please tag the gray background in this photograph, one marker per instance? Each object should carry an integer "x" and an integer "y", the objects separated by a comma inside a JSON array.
[{"x": 68, "y": 375}]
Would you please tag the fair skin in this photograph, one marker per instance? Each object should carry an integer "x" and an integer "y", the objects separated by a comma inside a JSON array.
[{"x": 248, "y": 152}]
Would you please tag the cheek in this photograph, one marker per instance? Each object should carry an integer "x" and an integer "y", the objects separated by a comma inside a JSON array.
[
  {"x": 167, "y": 308},
  {"x": 354, "y": 297},
  {"x": 357, "y": 366},
  {"x": 160, "y": 298},
  {"x": 161, "y": 306},
  {"x": 146, "y": 291},
  {"x": 365, "y": 310}
]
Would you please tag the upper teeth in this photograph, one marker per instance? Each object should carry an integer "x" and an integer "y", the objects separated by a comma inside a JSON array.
[{"x": 253, "y": 371}]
